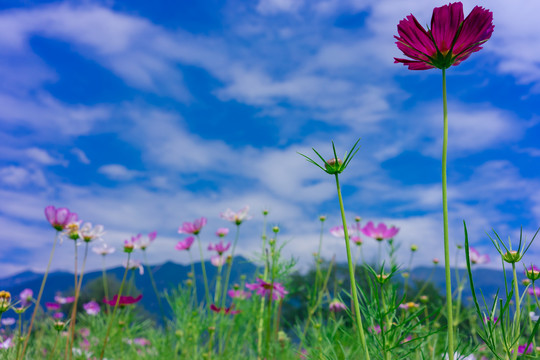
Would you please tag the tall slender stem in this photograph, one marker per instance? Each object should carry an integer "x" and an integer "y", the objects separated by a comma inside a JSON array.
[
  {"x": 105, "y": 284},
  {"x": 517, "y": 315},
  {"x": 111, "y": 320},
  {"x": 154, "y": 286},
  {"x": 205, "y": 278},
  {"x": 77, "y": 295},
  {"x": 448, "y": 276},
  {"x": 357, "y": 314},
  {"x": 39, "y": 296},
  {"x": 71, "y": 324},
  {"x": 229, "y": 267},
  {"x": 194, "y": 279}
]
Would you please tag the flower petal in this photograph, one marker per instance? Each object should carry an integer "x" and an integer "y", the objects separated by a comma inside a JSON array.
[{"x": 445, "y": 24}]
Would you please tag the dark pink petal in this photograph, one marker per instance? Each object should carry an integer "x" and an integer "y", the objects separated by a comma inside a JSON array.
[
  {"x": 476, "y": 29},
  {"x": 414, "y": 35},
  {"x": 152, "y": 235},
  {"x": 414, "y": 65},
  {"x": 445, "y": 24}
]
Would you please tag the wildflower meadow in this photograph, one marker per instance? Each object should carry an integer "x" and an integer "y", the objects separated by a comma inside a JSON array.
[{"x": 367, "y": 307}]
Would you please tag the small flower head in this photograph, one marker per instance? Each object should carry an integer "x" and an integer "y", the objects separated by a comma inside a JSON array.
[
  {"x": 222, "y": 232},
  {"x": 264, "y": 288},
  {"x": 142, "y": 243},
  {"x": 239, "y": 294},
  {"x": 322, "y": 218},
  {"x": 533, "y": 291},
  {"x": 185, "y": 244},
  {"x": 476, "y": 258},
  {"x": 5, "y": 301},
  {"x": 335, "y": 165},
  {"x": 236, "y": 217},
  {"x": 357, "y": 240},
  {"x": 230, "y": 310},
  {"x": 414, "y": 247},
  {"x": 435, "y": 261},
  {"x": 337, "y": 306},
  {"x": 26, "y": 297},
  {"x": 410, "y": 306},
  {"x": 450, "y": 40},
  {"x": 220, "y": 248},
  {"x": 380, "y": 232},
  {"x": 526, "y": 282},
  {"x": 103, "y": 249},
  {"x": 91, "y": 308},
  {"x": 52, "y": 306},
  {"x": 532, "y": 273},
  {"x": 133, "y": 265},
  {"x": 89, "y": 233},
  {"x": 193, "y": 228},
  {"x": 129, "y": 246},
  {"x": 512, "y": 256},
  {"x": 8, "y": 321},
  {"x": 382, "y": 278},
  {"x": 64, "y": 300},
  {"x": 217, "y": 260},
  {"x": 59, "y": 218},
  {"x": 59, "y": 325},
  {"x": 357, "y": 219}
]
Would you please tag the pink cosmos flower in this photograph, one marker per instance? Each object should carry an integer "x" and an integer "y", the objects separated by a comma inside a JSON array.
[
  {"x": 26, "y": 297},
  {"x": 64, "y": 300},
  {"x": 89, "y": 233},
  {"x": 337, "y": 306},
  {"x": 380, "y": 232},
  {"x": 8, "y": 321},
  {"x": 476, "y": 258},
  {"x": 337, "y": 231},
  {"x": 141, "y": 243},
  {"x": 264, "y": 288},
  {"x": 222, "y": 232},
  {"x": 59, "y": 218},
  {"x": 534, "y": 291},
  {"x": 142, "y": 342},
  {"x": 525, "y": 349},
  {"x": 226, "y": 311},
  {"x": 59, "y": 315},
  {"x": 217, "y": 260},
  {"x": 239, "y": 294},
  {"x": 356, "y": 239},
  {"x": 103, "y": 249},
  {"x": 192, "y": 228},
  {"x": 220, "y": 248},
  {"x": 6, "y": 344},
  {"x": 451, "y": 39},
  {"x": 133, "y": 265},
  {"x": 185, "y": 244},
  {"x": 92, "y": 308},
  {"x": 51, "y": 306},
  {"x": 124, "y": 300},
  {"x": 236, "y": 217}
]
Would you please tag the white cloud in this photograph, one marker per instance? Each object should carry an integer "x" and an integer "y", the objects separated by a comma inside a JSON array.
[
  {"x": 118, "y": 172},
  {"x": 81, "y": 156},
  {"x": 267, "y": 7},
  {"x": 20, "y": 177}
]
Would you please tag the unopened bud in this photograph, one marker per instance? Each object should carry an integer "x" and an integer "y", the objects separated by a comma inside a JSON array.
[
  {"x": 357, "y": 219},
  {"x": 275, "y": 229},
  {"x": 322, "y": 218},
  {"x": 59, "y": 325},
  {"x": 332, "y": 166},
  {"x": 414, "y": 247},
  {"x": 424, "y": 299},
  {"x": 405, "y": 275},
  {"x": 435, "y": 261},
  {"x": 526, "y": 282},
  {"x": 265, "y": 212},
  {"x": 511, "y": 257}
]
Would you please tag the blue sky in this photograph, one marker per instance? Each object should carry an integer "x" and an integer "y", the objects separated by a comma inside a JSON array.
[{"x": 141, "y": 115}]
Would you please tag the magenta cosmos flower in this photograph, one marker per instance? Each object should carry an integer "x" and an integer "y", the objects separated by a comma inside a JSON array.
[
  {"x": 264, "y": 288},
  {"x": 185, "y": 244},
  {"x": 192, "y": 228},
  {"x": 451, "y": 39},
  {"x": 222, "y": 232},
  {"x": 142, "y": 243},
  {"x": 226, "y": 311},
  {"x": 337, "y": 306},
  {"x": 59, "y": 218},
  {"x": 124, "y": 300},
  {"x": 380, "y": 232},
  {"x": 91, "y": 308},
  {"x": 239, "y": 294},
  {"x": 220, "y": 248}
]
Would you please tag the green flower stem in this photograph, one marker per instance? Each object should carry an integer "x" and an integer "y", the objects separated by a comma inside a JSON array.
[
  {"x": 517, "y": 315},
  {"x": 218, "y": 284},
  {"x": 77, "y": 295},
  {"x": 111, "y": 320},
  {"x": 357, "y": 314},
  {"x": 54, "y": 346},
  {"x": 39, "y": 296},
  {"x": 448, "y": 276},
  {"x": 229, "y": 267},
  {"x": 205, "y": 278},
  {"x": 20, "y": 335},
  {"x": 71, "y": 324},
  {"x": 105, "y": 284},
  {"x": 194, "y": 279},
  {"x": 154, "y": 286}
]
